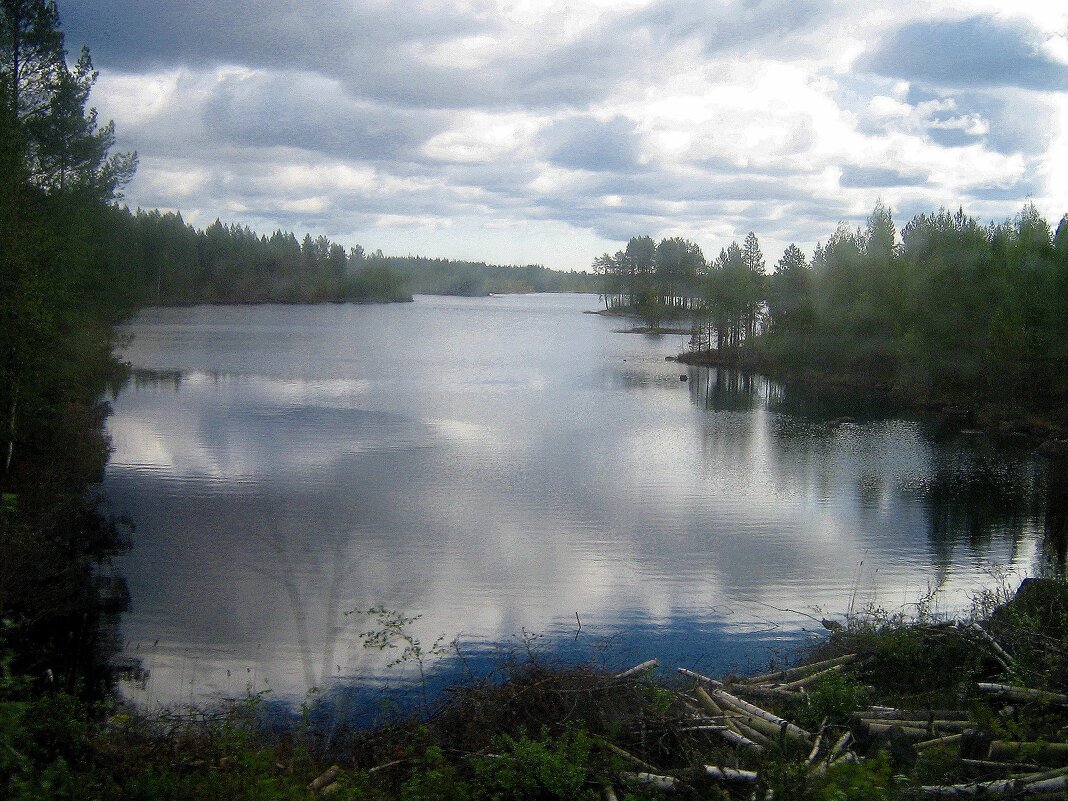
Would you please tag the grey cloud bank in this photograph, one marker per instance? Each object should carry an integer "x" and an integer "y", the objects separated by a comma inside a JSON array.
[{"x": 549, "y": 131}]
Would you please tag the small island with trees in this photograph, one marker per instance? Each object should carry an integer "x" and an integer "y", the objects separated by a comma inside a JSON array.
[{"x": 957, "y": 313}]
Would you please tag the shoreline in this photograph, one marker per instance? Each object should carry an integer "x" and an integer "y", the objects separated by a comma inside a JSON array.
[
  {"x": 918, "y": 706},
  {"x": 1049, "y": 436}
]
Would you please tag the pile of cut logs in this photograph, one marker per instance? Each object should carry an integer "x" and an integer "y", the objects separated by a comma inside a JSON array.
[{"x": 728, "y": 709}]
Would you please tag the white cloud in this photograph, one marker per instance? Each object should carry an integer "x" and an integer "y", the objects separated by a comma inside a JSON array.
[{"x": 442, "y": 121}]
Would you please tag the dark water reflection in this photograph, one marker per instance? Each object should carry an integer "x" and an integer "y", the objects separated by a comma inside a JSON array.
[{"x": 495, "y": 466}]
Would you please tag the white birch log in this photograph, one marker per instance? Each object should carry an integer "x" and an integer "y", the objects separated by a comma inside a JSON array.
[
  {"x": 800, "y": 670},
  {"x": 634, "y": 671},
  {"x": 653, "y": 779},
  {"x": 731, "y": 774},
  {"x": 1014, "y": 693},
  {"x": 789, "y": 729}
]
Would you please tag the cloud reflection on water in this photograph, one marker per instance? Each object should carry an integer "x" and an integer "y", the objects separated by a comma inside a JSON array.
[{"x": 577, "y": 476}]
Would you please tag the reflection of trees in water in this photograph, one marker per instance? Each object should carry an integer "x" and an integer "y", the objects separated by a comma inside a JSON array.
[
  {"x": 314, "y": 585},
  {"x": 975, "y": 498},
  {"x": 725, "y": 390},
  {"x": 155, "y": 379},
  {"x": 975, "y": 493},
  {"x": 1055, "y": 520}
]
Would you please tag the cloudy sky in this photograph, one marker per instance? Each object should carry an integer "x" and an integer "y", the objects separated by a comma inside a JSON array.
[{"x": 542, "y": 131}]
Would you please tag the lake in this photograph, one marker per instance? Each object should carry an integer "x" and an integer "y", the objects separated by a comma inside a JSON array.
[{"x": 517, "y": 476}]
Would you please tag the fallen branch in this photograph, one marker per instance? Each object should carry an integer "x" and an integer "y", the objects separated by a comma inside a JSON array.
[
  {"x": 1014, "y": 693},
  {"x": 634, "y": 671},
  {"x": 653, "y": 780},
  {"x": 807, "y": 680},
  {"x": 788, "y": 729},
  {"x": 938, "y": 741},
  {"x": 324, "y": 779},
  {"x": 627, "y": 755},
  {"x": 1002, "y": 656},
  {"x": 704, "y": 679},
  {"x": 1010, "y": 750},
  {"x": 731, "y": 774},
  {"x": 800, "y": 670}
]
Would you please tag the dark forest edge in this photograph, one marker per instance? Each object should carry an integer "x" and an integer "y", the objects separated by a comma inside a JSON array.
[
  {"x": 169, "y": 262},
  {"x": 956, "y": 312}
]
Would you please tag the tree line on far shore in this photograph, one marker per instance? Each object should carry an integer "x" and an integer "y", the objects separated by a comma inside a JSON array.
[
  {"x": 952, "y": 309},
  {"x": 171, "y": 262}
]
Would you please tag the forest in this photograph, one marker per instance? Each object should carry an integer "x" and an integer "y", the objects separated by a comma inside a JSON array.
[
  {"x": 170, "y": 262},
  {"x": 952, "y": 310}
]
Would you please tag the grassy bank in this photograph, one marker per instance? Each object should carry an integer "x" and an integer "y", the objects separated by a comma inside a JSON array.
[{"x": 884, "y": 708}]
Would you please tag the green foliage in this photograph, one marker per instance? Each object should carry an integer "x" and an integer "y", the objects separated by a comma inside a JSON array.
[
  {"x": 956, "y": 311},
  {"x": 523, "y": 769},
  {"x": 536, "y": 769},
  {"x": 435, "y": 780},
  {"x": 657, "y": 281},
  {"x": 872, "y": 780},
  {"x": 834, "y": 698}
]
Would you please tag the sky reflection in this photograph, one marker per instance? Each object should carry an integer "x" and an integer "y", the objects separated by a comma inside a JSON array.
[{"x": 495, "y": 467}]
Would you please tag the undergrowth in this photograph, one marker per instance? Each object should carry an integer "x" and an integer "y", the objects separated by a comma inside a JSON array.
[{"x": 540, "y": 732}]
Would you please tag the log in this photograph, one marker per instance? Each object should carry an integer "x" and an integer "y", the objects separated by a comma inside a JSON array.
[
  {"x": 767, "y": 691},
  {"x": 937, "y": 741},
  {"x": 890, "y": 713},
  {"x": 634, "y": 671},
  {"x": 800, "y": 670},
  {"x": 1003, "y": 657},
  {"x": 989, "y": 789},
  {"x": 653, "y": 779},
  {"x": 706, "y": 701},
  {"x": 627, "y": 755},
  {"x": 1014, "y": 693},
  {"x": 740, "y": 740},
  {"x": 807, "y": 680},
  {"x": 987, "y": 764},
  {"x": 608, "y": 793},
  {"x": 703, "y": 727},
  {"x": 767, "y": 730},
  {"x": 838, "y": 753},
  {"x": 911, "y": 733},
  {"x": 789, "y": 729},
  {"x": 998, "y": 788},
  {"x": 1047, "y": 774},
  {"x": 326, "y": 778},
  {"x": 704, "y": 679},
  {"x": 753, "y": 733},
  {"x": 731, "y": 774},
  {"x": 1043, "y": 753},
  {"x": 816, "y": 745},
  {"x": 929, "y": 725}
]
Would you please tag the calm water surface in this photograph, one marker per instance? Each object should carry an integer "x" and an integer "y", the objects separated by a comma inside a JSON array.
[{"x": 495, "y": 466}]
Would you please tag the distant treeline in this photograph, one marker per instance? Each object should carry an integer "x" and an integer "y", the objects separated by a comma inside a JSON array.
[
  {"x": 173, "y": 262},
  {"x": 176, "y": 263},
  {"x": 476, "y": 278},
  {"x": 955, "y": 310}
]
